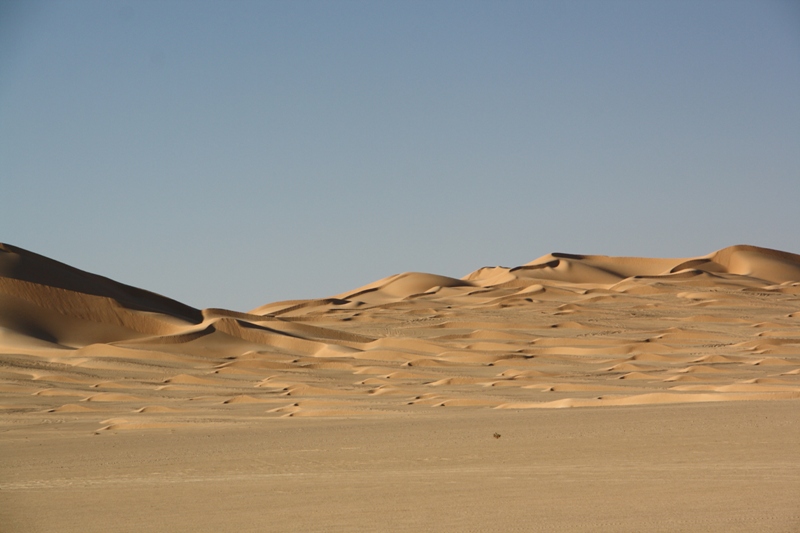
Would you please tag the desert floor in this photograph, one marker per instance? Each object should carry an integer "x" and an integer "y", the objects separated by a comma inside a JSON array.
[{"x": 689, "y": 467}]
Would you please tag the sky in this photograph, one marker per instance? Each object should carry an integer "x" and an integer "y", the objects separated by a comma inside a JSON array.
[{"x": 235, "y": 153}]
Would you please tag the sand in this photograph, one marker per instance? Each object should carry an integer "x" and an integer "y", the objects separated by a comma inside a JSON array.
[{"x": 573, "y": 393}]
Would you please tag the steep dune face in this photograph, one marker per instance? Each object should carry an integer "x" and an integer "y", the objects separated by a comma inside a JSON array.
[
  {"x": 22, "y": 265},
  {"x": 564, "y": 330},
  {"x": 55, "y": 302}
]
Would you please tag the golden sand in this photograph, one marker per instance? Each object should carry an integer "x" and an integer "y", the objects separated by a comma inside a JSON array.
[{"x": 573, "y": 393}]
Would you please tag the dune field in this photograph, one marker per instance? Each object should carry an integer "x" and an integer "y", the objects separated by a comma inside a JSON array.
[{"x": 572, "y": 393}]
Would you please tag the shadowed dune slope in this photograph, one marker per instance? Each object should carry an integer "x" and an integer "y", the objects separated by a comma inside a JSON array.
[
  {"x": 22, "y": 265},
  {"x": 51, "y": 301}
]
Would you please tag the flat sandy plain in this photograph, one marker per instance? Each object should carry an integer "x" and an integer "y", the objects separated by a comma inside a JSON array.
[{"x": 573, "y": 393}]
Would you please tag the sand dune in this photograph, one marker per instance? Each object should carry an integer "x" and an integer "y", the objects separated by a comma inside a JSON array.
[
  {"x": 98, "y": 334},
  {"x": 563, "y": 331}
]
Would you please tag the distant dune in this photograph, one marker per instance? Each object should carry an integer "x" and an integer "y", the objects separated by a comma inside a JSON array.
[{"x": 739, "y": 303}]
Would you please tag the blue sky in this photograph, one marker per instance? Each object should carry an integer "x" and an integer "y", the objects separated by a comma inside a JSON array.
[{"x": 231, "y": 154}]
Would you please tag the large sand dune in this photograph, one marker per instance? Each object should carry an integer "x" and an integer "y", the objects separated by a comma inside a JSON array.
[{"x": 649, "y": 351}]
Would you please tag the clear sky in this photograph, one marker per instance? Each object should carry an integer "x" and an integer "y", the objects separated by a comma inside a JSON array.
[{"x": 235, "y": 153}]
